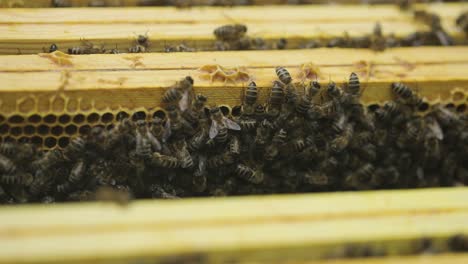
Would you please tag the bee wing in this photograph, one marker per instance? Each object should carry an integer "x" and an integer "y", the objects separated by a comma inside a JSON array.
[
  {"x": 213, "y": 129},
  {"x": 202, "y": 164},
  {"x": 436, "y": 130},
  {"x": 184, "y": 102},
  {"x": 167, "y": 130},
  {"x": 231, "y": 124}
]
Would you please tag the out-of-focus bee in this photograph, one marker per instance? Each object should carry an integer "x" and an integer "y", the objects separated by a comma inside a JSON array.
[
  {"x": 7, "y": 167},
  {"x": 434, "y": 129},
  {"x": 283, "y": 75},
  {"x": 141, "y": 44},
  {"x": 220, "y": 125},
  {"x": 362, "y": 178},
  {"x": 179, "y": 48},
  {"x": 281, "y": 44},
  {"x": 107, "y": 194},
  {"x": 230, "y": 32},
  {"x": 249, "y": 174},
  {"x": 158, "y": 191},
  {"x": 458, "y": 243},
  {"x": 199, "y": 176},
  {"x": 77, "y": 172},
  {"x": 378, "y": 42},
  {"x": 86, "y": 48},
  {"x": 462, "y": 21},
  {"x": 433, "y": 20},
  {"x": 53, "y": 48}
]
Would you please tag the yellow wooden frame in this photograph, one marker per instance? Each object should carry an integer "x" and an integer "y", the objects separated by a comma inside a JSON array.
[
  {"x": 253, "y": 228},
  {"x": 26, "y": 31}
]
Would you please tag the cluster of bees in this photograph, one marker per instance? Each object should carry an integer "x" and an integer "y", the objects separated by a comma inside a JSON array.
[
  {"x": 176, "y": 3},
  {"x": 457, "y": 243},
  {"x": 233, "y": 37},
  {"x": 436, "y": 36},
  {"x": 324, "y": 139}
]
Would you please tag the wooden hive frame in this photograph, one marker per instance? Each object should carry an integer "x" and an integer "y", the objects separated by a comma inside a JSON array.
[
  {"x": 25, "y": 31},
  {"x": 92, "y": 89},
  {"x": 107, "y": 3},
  {"x": 255, "y": 229},
  {"x": 265, "y": 229}
]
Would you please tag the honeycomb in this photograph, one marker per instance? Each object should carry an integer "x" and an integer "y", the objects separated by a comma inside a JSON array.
[{"x": 52, "y": 120}]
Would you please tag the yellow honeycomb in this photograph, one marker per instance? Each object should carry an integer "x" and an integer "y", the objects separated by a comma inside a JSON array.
[{"x": 51, "y": 120}]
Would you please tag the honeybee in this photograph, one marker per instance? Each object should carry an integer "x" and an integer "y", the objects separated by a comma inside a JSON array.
[
  {"x": 86, "y": 48},
  {"x": 183, "y": 155},
  {"x": 53, "y": 48},
  {"x": 47, "y": 161},
  {"x": 157, "y": 130},
  {"x": 249, "y": 174},
  {"x": 378, "y": 42},
  {"x": 199, "y": 176},
  {"x": 250, "y": 98},
  {"x": 313, "y": 89},
  {"x": 276, "y": 98},
  {"x": 107, "y": 194},
  {"x": 279, "y": 139},
  {"x": 458, "y": 243},
  {"x": 143, "y": 144},
  {"x": 176, "y": 127},
  {"x": 339, "y": 143},
  {"x": 179, "y": 48},
  {"x": 354, "y": 86},
  {"x": 402, "y": 91},
  {"x": 230, "y": 32},
  {"x": 75, "y": 149},
  {"x": 462, "y": 21},
  {"x": 7, "y": 167},
  {"x": 141, "y": 44},
  {"x": 42, "y": 183},
  {"x": 181, "y": 93},
  {"x": 220, "y": 160},
  {"x": 158, "y": 191},
  {"x": 195, "y": 113},
  {"x": 333, "y": 91},
  {"x": 361, "y": 179},
  {"x": 283, "y": 75},
  {"x": 281, "y": 44},
  {"x": 220, "y": 125},
  {"x": 303, "y": 105},
  {"x": 164, "y": 161},
  {"x": 77, "y": 172},
  {"x": 434, "y": 129}
]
